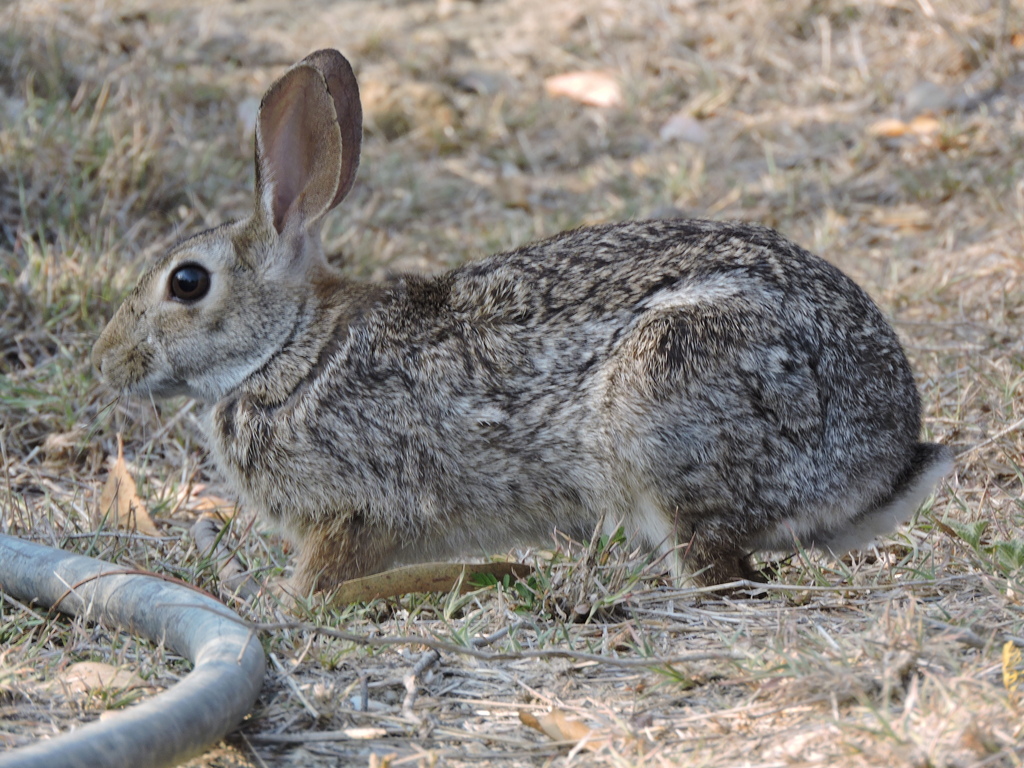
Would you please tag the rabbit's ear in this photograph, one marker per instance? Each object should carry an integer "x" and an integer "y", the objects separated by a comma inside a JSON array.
[
  {"x": 308, "y": 135},
  {"x": 348, "y": 111}
]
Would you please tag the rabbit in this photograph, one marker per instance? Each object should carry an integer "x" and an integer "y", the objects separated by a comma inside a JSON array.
[{"x": 714, "y": 387}]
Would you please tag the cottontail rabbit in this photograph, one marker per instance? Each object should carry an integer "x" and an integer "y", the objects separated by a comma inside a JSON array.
[{"x": 715, "y": 386}]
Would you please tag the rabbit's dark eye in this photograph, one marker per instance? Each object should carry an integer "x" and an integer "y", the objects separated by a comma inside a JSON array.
[{"x": 189, "y": 282}]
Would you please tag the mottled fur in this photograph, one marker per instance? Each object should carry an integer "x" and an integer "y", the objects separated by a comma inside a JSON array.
[{"x": 716, "y": 387}]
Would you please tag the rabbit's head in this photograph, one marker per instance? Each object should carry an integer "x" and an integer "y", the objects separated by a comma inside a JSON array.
[{"x": 216, "y": 307}]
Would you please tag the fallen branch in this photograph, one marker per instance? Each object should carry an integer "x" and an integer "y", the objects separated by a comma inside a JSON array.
[
  {"x": 431, "y": 657},
  {"x": 412, "y": 682}
]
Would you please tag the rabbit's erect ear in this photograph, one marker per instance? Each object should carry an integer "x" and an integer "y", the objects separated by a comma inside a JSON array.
[
  {"x": 348, "y": 110},
  {"x": 308, "y": 136}
]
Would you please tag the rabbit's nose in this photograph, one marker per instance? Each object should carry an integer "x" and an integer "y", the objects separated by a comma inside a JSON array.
[
  {"x": 97, "y": 355},
  {"x": 100, "y": 357}
]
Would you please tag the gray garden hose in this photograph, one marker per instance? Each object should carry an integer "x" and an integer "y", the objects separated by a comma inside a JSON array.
[{"x": 172, "y": 726}]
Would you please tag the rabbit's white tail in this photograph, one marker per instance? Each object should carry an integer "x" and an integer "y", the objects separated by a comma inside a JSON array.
[{"x": 931, "y": 462}]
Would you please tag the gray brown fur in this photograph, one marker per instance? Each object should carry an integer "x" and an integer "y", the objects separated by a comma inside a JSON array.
[{"x": 715, "y": 387}]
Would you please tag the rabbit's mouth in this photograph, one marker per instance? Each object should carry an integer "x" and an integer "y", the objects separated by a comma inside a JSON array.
[
  {"x": 131, "y": 371},
  {"x": 168, "y": 387},
  {"x": 147, "y": 386}
]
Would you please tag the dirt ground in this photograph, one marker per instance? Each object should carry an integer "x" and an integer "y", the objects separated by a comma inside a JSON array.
[{"x": 886, "y": 135}]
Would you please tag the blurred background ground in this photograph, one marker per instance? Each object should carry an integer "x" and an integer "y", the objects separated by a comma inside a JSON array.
[{"x": 886, "y": 135}]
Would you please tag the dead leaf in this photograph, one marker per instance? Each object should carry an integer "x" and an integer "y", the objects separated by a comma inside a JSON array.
[
  {"x": 195, "y": 499},
  {"x": 907, "y": 218},
  {"x": 425, "y": 577},
  {"x": 62, "y": 447},
  {"x": 86, "y": 676},
  {"x": 889, "y": 128},
  {"x": 215, "y": 505},
  {"x": 924, "y": 125},
  {"x": 593, "y": 88},
  {"x": 1013, "y": 659},
  {"x": 558, "y": 726},
  {"x": 120, "y": 501}
]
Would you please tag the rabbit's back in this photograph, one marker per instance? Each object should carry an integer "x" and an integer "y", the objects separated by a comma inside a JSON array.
[{"x": 725, "y": 372}]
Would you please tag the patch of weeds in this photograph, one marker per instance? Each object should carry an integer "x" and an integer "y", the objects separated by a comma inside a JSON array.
[
  {"x": 677, "y": 677},
  {"x": 580, "y": 584},
  {"x": 1009, "y": 555},
  {"x": 806, "y": 567},
  {"x": 113, "y": 697},
  {"x": 30, "y": 394},
  {"x": 18, "y": 628},
  {"x": 322, "y": 613},
  {"x": 1005, "y": 557},
  {"x": 38, "y": 60}
]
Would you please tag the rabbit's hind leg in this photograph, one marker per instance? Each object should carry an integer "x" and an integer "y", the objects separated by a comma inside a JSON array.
[
  {"x": 710, "y": 564},
  {"x": 331, "y": 552},
  {"x": 700, "y": 554}
]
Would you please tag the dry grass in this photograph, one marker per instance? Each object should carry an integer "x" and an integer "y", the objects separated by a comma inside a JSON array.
[{"x": 125, "y": 124}]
